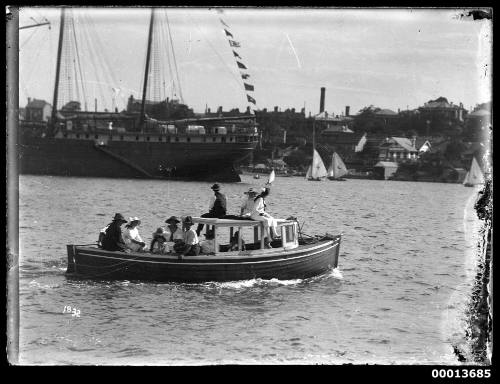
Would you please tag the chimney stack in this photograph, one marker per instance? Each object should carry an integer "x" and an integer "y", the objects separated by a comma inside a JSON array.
[
  {"x": 347, "y": 110},
  {"x": 322, "y": 100}
]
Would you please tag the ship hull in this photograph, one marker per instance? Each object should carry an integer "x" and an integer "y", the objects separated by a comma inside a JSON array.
[{"x": 115, "y": 159}]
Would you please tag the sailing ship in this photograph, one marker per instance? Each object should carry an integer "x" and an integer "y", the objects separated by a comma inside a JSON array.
[
  {"x": 337, "y": 168},
  {"x": 317, "y": 170},
  {"x": 130, "y": 144},
  {"x": 474, "y": 176}
]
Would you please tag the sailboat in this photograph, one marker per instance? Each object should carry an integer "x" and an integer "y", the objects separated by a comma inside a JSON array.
[
  {"x": 474, "y": 176},
  {"x": 337, "y": 168},
  {"x": 317, "y": 170}
]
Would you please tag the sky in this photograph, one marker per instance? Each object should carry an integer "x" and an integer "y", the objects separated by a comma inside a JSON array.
[{"x": 389, "y": 58}]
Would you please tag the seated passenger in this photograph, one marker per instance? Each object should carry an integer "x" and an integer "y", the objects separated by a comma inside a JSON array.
[
  {"x": 191, "y": 243},
  {"x": 159, "y": 243},
  {"x": 208, "y": 245},
  {"x": 102, "y": 233},
  {"x": 173, "y": 233},
  {"x": 259, "y": 213},
  {"x": 131, "y": 237},
  {"x": 248, "y": 204},
  {"x": 112, "y": 239},
  {"x": 233, "y": 245}
]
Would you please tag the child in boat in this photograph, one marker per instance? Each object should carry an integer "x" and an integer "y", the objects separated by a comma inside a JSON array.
[
  {"x": 131, "y": 237},
  {"x": 159, "y": 243},
  {"x": 208, "y": 245}
]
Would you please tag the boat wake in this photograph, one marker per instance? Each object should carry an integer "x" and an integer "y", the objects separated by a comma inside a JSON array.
[{"x": 252, "y": 283}]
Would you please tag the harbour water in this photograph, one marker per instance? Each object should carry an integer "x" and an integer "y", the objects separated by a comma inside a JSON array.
[{"x": 399, "y": 296}]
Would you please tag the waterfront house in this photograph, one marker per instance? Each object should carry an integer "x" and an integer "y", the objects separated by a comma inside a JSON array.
[
  {"x": 385, "y": 169},
  {"x": 397, "y": 149},
  {"x": 37, "y": 110}
]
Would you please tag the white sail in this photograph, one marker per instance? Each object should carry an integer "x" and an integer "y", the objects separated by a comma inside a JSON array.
[
  {"x": 337, "y": 168},
  {"x": 308, "y": 173},
  {"x": 474, "y": 176},
  {"x": 271, "y": 177},
  {"x": 318, "y": 169}
]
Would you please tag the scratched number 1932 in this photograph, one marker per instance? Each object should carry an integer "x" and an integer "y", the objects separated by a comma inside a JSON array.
[{"x": 75, "y": 312}]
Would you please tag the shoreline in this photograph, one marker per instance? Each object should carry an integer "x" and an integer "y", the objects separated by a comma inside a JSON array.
[{"x": 479, "y": 314}]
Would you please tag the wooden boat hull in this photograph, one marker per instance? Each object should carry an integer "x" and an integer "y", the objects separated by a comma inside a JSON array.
[{"x": 302, "y": 262}]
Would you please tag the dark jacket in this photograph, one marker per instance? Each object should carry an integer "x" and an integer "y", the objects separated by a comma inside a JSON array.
[
  {"x": 113, "y": 240},
  {"x": 220, "y": 204}
]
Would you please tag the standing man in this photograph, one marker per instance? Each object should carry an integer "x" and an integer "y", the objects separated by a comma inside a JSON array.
[{"x": 217, "y": 207}]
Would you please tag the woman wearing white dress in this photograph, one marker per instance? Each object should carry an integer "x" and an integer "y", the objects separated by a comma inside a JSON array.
[
  {"x": 131, "y": 237},
  {"x": 259, "y": 213}
]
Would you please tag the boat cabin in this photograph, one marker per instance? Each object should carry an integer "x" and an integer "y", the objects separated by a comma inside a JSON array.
[{"x": 250, "y": 235}]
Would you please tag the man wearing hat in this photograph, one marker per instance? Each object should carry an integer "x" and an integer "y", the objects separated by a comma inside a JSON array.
[
  {"x": 191, "y": 242},
  {"x": 174, "y": 233},
  {"x": 112, "y": 239},
  {"x": 217, "y": 206}
]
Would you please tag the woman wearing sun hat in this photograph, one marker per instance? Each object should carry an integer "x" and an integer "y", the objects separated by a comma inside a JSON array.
[
  {"x": 131, "y": 236},
  {"x": 112, "y": 239}
]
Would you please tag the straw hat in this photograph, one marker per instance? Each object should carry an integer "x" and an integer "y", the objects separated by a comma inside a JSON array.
[
  {"x": 173, "y": 219},
  {"x": 134, "y": 219},
  {"x": 251, "y": 191}
]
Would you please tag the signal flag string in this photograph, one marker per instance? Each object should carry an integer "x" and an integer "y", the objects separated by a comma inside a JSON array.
[{"x": 241, "y": 66}]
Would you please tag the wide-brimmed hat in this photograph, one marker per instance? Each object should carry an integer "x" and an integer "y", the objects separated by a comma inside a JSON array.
[
  {"x": 188, "y": 220},
  {"x": 160, "y": 232},
  {"x": 251, "y": 191},
  {"x": 215, "y": 187},
  {"x": 133, "y": 219},
  {"x": 119, "y": 217},
  {"x": 171, "y": 219}
]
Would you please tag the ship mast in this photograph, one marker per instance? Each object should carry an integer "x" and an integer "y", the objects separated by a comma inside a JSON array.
[
  {"x": 58, "y": 67},
  {"x": 148, "y": 54}
]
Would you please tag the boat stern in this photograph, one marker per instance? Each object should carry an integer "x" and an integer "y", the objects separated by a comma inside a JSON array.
[{"x": 71, "y": 258}]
